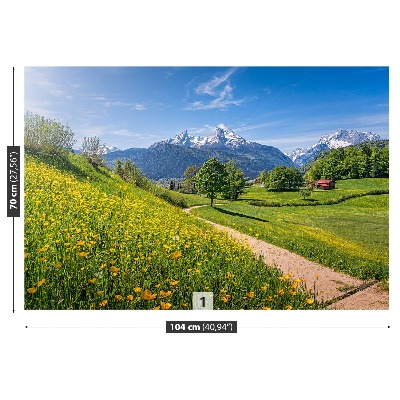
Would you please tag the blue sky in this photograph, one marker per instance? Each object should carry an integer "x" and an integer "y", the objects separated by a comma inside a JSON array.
[{"x": 285, "y": 107}]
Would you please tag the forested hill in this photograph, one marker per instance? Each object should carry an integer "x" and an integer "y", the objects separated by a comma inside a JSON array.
[{"x": 364, "y": 160}]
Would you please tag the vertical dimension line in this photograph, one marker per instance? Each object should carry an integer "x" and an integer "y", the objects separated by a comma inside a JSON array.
[
  {"x": 13, "y": 106},
  {"x": 13, "y": 268},
  {"x": 13, "y": 217}
]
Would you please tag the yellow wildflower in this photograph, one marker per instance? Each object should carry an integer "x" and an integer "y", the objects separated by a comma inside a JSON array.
[
  {"x": 288, "y": 307},
  {"x": 165, "y": 306},
  {"x": 129, "y": 297},
  {"x": 147, "y": 295},
  {"x": 174, "y": 283},
  {"x": 103, "y": 303},
  {"x": 176, "y": 255},
  {"x": 309, "y": 301},
  {"x": 265, "y": 287},
  {"x": 165, "y": 294},
  {"x": 118, "y": 297},
  {"x": 114, "y": 270},
  {"x": 266, "y": 308},
  {"x": 250, "y": 295},
  {"x": 137, "y": 289},
  {"x": 40, "y": 283},
  {"x": 83, "y": 254},
  {"x": 80, "y": 243},
  {"x": 31, "y": 290},
  {"x": 225, "y": 297}
]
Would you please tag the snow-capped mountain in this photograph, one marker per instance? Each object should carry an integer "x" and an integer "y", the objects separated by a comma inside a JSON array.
[
  {"x": 109, "y": 149},
  {"x": 340, "y": 138},
  {"x": 221, "y": 136},
  {"x": 171, "y": 157}
]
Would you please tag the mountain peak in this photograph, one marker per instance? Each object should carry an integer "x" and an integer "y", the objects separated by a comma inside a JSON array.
[
  {"x": 339, "y": 138},
  {"x": 224, "y": 136},
  {"x": 221, "y": 136}
]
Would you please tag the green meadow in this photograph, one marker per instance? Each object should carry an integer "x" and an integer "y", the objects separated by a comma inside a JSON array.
[{"x": 351, "y": 236}]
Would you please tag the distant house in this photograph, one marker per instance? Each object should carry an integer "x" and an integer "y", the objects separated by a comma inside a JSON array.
[{"x": 325, "y": 184}]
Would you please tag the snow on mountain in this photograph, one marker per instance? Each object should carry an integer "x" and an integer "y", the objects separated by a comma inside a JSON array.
[
  {"x": 109, "y": 149},
  {"x": 221, "y": 136},
  {"x": 171, "y": 157},
  {"x": 340, "y": 138}
]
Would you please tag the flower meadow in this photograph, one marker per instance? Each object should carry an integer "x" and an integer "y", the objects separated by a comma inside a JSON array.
[{"x": 115, "y": 246}]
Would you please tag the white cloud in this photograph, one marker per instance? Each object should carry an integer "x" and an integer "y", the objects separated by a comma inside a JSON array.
[
  {"x": 122, "y": 132},
  {"x": 220, "y": 89},
  {"x": 139, "y": 107},
  {"x": 210, "y": 86}
]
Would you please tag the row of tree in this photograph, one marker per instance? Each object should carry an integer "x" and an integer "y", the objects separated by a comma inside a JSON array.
[{"x": 353, "y": 162}]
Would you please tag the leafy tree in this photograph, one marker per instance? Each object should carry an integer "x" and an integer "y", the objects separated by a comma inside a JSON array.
[
  {"x": 93, "y": 150},
  {"x": 131, "y": 173},
  {"x": 285, "y": 178},
  {"x": 305, "y": 192},
  {"x": 234, "y": 182},
  {"x": 264, "y": 176},
  {"x": 189, "y": 184},
  {"x": 118, "y": 167},
  {"x": 211, "y": 178},
  {"x": 383, "y": 163},
  {"x": 46, "y": 135}
]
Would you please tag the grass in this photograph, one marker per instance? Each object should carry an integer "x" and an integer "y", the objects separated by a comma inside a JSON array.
[
  {"x": 93, "y": 241},
  {"x": 346, "y": 189},
  {"x": 351, "y": 236}
]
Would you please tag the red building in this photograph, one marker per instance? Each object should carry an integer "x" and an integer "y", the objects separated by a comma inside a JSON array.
[{"x": 326, "y": 184}]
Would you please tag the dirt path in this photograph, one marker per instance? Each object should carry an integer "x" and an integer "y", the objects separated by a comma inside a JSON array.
[{"x": 341, "y": 291}]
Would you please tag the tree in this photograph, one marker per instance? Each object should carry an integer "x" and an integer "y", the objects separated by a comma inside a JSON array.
[
  {"x": 285, "y": 178},
  {"x": 211, "y": 178},
  {"x": 353, "y": 162},
  {"x": 263, "y": 178},
  {"x": 131, "y": 173},
  {"x": 118, "y": 167},
  {"x": 305, "y": 192},
  {"x": 46, "y": 135},
  {"x": 189, "y": 184},
  {"x": 234, "y": 182},
  {"x": 93, "y": 150}
]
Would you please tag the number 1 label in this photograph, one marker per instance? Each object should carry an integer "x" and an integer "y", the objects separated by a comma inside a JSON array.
[{"x": 202, "y": 300}]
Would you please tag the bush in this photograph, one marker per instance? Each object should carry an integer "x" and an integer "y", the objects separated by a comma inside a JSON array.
[
  {"x": 93, "y": 151},
  {"x": 46, "y": 135}
]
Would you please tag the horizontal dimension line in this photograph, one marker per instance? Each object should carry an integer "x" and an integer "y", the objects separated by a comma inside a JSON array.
[
  {"x": 314, "y": 327},
  {"x": 94, "y": 327}
]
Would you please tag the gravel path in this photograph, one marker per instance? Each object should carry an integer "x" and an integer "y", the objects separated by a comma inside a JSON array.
[{"x": 341, "y": 291}]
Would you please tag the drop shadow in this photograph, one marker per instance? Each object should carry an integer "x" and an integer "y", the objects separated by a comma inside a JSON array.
[{"x": 239, "y": 214}]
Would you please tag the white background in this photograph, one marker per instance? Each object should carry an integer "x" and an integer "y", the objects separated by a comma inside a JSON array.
[{"x": 282, "y": 354}]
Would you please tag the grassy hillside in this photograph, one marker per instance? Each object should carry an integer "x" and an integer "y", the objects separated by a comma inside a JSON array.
[
  {"x": 93, "y": 241},
  {"x": 351, "y": 236}
]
